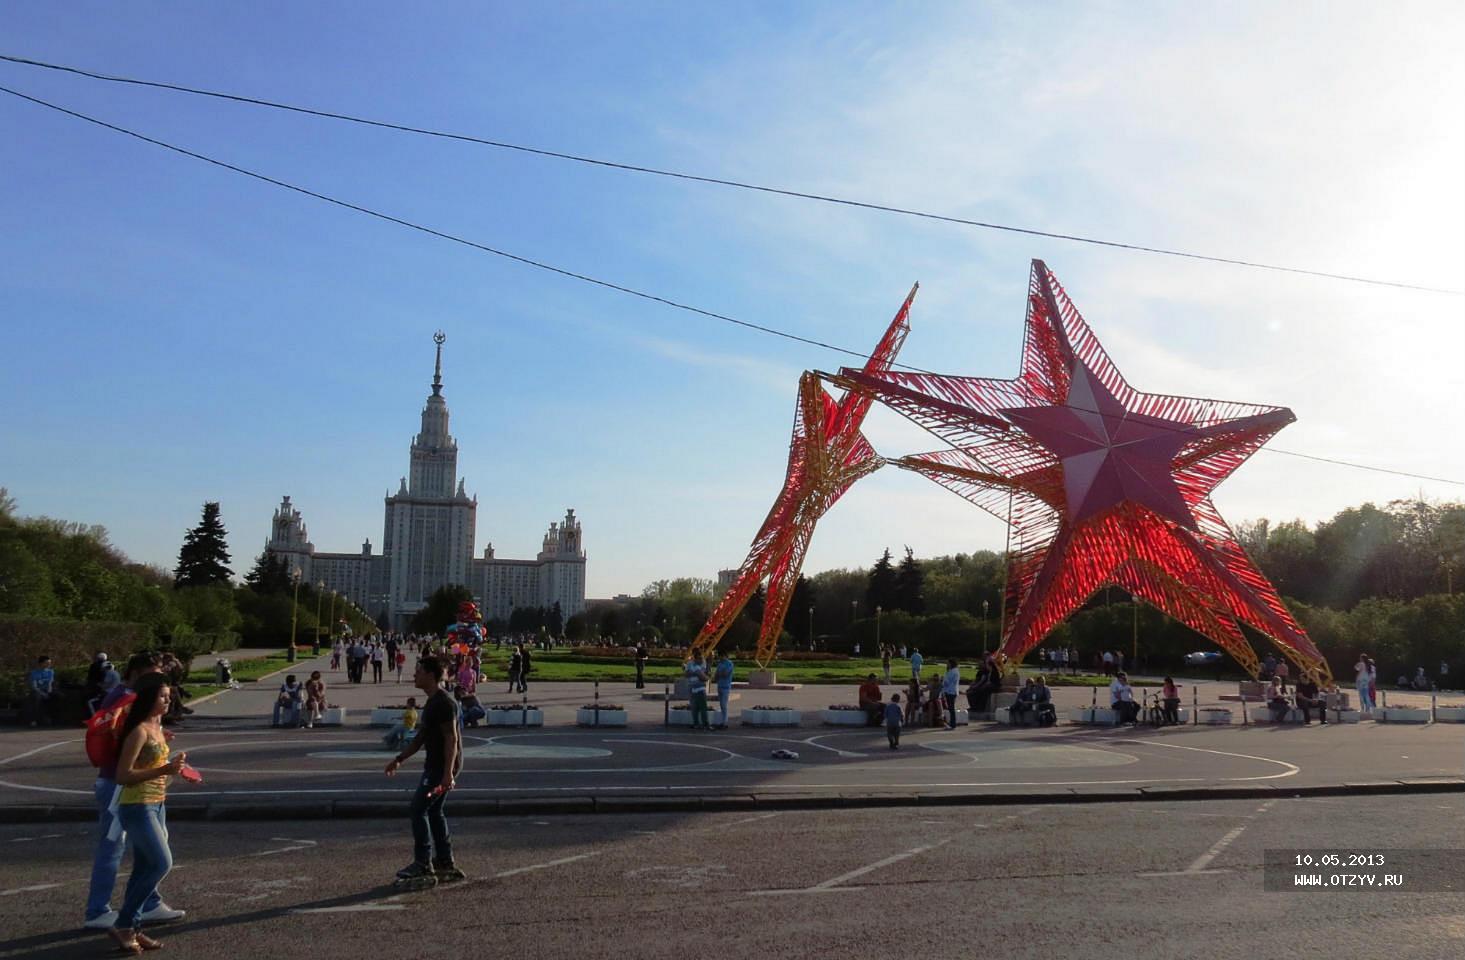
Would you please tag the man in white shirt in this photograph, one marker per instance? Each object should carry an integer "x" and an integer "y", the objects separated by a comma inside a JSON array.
[
  {"x": 1121, "y": 699},
  {"x": 1108, "y": 663},
  {"x": 949, "y": 685}
]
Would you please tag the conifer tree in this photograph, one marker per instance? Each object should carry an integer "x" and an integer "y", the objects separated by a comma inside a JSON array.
[
  {"x": 271, "y": 574},
  {"x": 881, "y": 591},
  {"x": 204, "y": 557},
  {"x": 910, "y": 585}
]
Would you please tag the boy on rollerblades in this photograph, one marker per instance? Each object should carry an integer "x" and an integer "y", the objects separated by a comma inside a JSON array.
[{"x": 438, "y": 733}]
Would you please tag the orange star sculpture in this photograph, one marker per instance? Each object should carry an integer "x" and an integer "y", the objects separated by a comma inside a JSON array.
[{"x": 827, "y": 454}]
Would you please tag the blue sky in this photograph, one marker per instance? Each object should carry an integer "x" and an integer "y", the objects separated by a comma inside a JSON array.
[{"x": 176, "y": 333}]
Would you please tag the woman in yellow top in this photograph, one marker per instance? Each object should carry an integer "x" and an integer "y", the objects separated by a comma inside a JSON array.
[{"x": 143, "y": 771}]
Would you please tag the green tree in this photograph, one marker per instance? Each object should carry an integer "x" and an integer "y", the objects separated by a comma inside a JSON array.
[
  {"x": 910, "y": 585},
  {"x": 270, "y": 574},
  {"x": 881, "y": 591},
  {"x": 204, "y": 557},
  {"x": 797, "y": 619},
  {"x": 441, "y": 610}
]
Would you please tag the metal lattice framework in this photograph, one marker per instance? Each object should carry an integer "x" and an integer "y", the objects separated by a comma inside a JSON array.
[
  {"x": 826, "y": 455},
  {"x": 1102, "y": 484}
]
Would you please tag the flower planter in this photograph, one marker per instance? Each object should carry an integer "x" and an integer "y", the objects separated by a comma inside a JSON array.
[
  {"x": 1096, "y": 716},
  {"x": 590, "y": 717},
  {"x": 385, "y": 717},
  {"x": 1449, "y": 715},
  {"x": 754, "y": 717},
  {"x": 533, "y": 717},
  {"x": 846, "y": 718},
  {"x": 332, "y": 717},
  {"x": 1403, "y": 715},
  {"x": 1214, "y": 716},
  {"x": 1264, "y": 715},
  {"x": 1344, "y": 716}
]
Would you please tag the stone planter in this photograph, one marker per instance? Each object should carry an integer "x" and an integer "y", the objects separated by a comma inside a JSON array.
[
  {"x": 381, "y": 717},
  {"x": 515, "y": 718},
  {"x": 606, "y": 718},
  {"x": 1264, "y": 715},
  {"x": 332, "y": 717},
  {"x": 1344, "y": 716},
  {"x": 1096, "y": 716},
  {"x": 845, "y": 718},
  {"x": 1449, "y": 715},
  {"x": 771, "y": 718},
  {"x": 1214, "y": 716},
  {"x": 1403, "y": 715}
]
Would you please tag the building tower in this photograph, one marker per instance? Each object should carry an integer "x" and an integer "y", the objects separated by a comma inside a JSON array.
[{"x": 429, "y": 527}]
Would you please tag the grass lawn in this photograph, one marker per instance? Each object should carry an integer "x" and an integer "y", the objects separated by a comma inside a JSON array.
[
  {"x": 568, "y": 666},
  {"x": 245, "y": 671}
]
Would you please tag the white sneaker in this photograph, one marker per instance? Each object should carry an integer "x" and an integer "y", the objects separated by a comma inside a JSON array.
[
  {"x": 102, "y": 921},
  {"x": 162, "y": 913}
]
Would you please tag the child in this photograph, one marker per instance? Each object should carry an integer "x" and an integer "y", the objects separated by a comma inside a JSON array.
[
  {"x": 892, "y": 721},
  {"x": 913, "y": 700},
  {"x": 403, "y": 729},
  {"x": 401, "y": 662}
]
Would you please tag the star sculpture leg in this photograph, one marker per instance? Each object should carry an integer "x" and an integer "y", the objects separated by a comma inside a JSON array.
[
  {"x": 826, "y": 455},
  {"x": 1104, "y": 485}
]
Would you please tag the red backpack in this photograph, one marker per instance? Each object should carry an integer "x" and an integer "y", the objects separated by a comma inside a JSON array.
[{"x": 103, "y": 732}]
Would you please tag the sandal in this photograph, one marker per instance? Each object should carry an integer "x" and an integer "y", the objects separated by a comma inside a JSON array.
[
  {"x": 148, "y": 943},
  {"x": 126, "y": 942}
]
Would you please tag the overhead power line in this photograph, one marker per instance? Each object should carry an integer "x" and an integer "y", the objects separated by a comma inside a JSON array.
[
  {"x": 538, "y": 264},
  {"x": 718, "y": 181}
]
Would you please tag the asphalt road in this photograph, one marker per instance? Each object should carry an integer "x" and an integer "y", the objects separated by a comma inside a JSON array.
[{"x": 1075, "y": 880}]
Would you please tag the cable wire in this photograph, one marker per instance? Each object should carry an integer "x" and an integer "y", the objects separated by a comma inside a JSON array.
[
  {"x": 718, "y": 181},
  {"x": 621, "y": 288}
]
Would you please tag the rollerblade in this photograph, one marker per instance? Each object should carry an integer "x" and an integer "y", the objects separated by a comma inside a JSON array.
[
  {"x": 447, "y": 872},
  {"x": 415, "y": 876}
]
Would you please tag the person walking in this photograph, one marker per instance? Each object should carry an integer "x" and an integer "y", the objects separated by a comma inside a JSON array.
[
  {"x": 144, "y": 768},
  {"x": 885, "y": 662},
  {"x": 892, "y": 721},
  {"x": 526, "y": 663},
  {"x": 696, "y": 672},
  {"x": 949, "y": 685},
  {"x": 641, "y": 657},
  {"x": 516, "y": 659},
  {"x": 438, "y": 732},
  {"x": 41, "y": 684},
  {"x": 337, "y": 649},
  {"x": 111, "y": 838},
  {"x": 376, "y": 662},
  {"x": 724, "y": 678},
  {"x": 1363, "y": 683}
]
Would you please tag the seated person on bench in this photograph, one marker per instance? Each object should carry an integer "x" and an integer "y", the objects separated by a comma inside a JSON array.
[
  {"x": 1277, "y": 700},
  {"x": 1027, "y": 702},
  {"x": 1121, "y": 699},
  {"x": 988, "y": 682},
  {"x": 1308, "y": 697},
  {"x": 1043, "y": 702},
  {"x": 871, "y": 700}
]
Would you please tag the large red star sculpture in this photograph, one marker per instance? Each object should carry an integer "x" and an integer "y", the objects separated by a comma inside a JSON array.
[
  {"x": 1102, "y": 484},
  {"x": 826, "y": 455}
]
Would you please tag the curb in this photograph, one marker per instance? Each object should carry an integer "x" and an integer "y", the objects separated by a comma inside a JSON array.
[{"x": 266, "y": 810}]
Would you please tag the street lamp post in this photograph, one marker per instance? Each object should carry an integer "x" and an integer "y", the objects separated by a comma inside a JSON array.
[
  {"x": 984, "y": 629},
  {"x": 877, "y": 625},
  {"x": 320, "y": 594},
  {"x": 294, "y": 616},
  {"x": 854, "y": 606},
  {"x": 811, "y": 626},
  {"x": 333, "y": 611}
]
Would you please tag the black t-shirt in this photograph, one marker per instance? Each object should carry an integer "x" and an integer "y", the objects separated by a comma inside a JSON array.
[{"x": 440, "y": 711}]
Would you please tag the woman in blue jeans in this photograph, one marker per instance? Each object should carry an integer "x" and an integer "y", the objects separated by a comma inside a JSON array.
[{"x": 143, "y": 771}]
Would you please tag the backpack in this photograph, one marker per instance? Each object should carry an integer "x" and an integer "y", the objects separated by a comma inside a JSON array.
[{"x": 103, "y": 728}]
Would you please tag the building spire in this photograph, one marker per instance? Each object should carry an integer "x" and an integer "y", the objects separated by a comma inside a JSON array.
[{"x": 437, "y": 370}]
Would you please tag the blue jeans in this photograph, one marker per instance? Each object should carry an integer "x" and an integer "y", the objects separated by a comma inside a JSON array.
[
  {"x": 294, "y": 709},
  {"x": 109, "y": 855},
  {"x": 428, "y": 821},
  {"x": 147, "y": 826},
  {"x": 699, "y": 710},
  {"x": 723, "y": 693}
]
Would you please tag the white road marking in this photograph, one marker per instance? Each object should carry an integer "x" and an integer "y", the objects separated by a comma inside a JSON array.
[
  {"x": 832, "y": 885},
  {"x": 295, "y": 845},
  {"x": 31, "y": 753},
  {"x": 761, "y": 816},
  {"x": 30, "y": 889},
  {"x": 44, "y": 836},
  {"x": 1200, "y": 863},
  {"x": 543, "y": 866},
  {"x": 370, "y": 906}
]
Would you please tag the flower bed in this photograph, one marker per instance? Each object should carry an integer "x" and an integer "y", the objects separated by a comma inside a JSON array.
[
  {"x": 845, "y": 715},
  {"x": 1403, "y": 715},
  {"x": 608, "y": 715},
  {"x": 514, "y": 715},
  {"x": 766, "y": 716}
]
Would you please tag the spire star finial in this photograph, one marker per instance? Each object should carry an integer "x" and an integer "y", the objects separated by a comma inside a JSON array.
[{"x": 438, "y": 338}]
